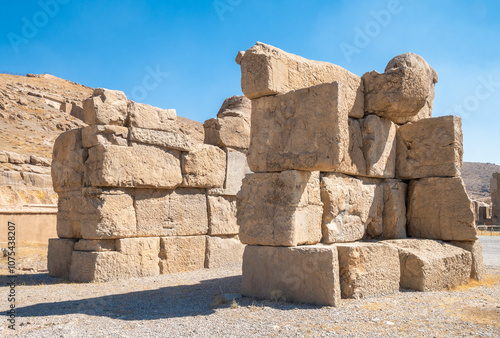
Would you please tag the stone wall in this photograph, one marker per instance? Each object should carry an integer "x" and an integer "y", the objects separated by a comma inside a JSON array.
[
  {"x": 356, "y": 189},
  {"x": 495, "y": 199},
  {"x": 141, "y": 194}
]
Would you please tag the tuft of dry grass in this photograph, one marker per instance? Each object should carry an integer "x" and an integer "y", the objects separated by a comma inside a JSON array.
[{"x": 489, "y": 280}]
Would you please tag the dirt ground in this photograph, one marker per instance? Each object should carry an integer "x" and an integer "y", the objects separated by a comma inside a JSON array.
[{"x": 206, "y": 303}]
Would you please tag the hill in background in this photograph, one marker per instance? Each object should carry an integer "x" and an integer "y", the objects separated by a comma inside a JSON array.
[{"x": 477, "y": 178}]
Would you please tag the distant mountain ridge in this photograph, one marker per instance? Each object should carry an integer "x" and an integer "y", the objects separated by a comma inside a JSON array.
[{"x": 477, "y": 176}]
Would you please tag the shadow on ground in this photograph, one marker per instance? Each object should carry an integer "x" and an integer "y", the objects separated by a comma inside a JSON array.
[
  {"x": 33, "y": 279},
  {"x": 167, "y": 302}
]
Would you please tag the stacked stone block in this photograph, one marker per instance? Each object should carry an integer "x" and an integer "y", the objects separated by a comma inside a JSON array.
[
  {"x": 139, "y": 197},
  {"x": 345, "y": 169}
]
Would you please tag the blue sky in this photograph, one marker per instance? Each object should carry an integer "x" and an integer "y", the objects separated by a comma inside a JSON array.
[{"x": 180, "y": 54}]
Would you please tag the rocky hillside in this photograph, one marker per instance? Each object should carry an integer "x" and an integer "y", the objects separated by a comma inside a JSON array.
[{"x": 477, "y": 178}]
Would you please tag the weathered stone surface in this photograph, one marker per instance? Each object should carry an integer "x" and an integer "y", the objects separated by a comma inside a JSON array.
[
  {"x": 192, "y": 129},
  {"x": 379, "y": 146},
  {"x": 306, "y": 274},
  {"x": 204, "y": 167},
  {"x": 68, "y": 161},
  {"x": 179, "y": 254},
  {"x": 303, "y": 130},
  {"x": 165, "y": 139},
  {"x": 135, "y": 257},
  {"x": 282, "y": 209},
  {"x": 105, "y": 107},
  {"x": 267, "y": 70},
  {"x": 182, "y": 212},
  {"x": 478, "y": 269},
  {"x": 439, "y": 208},
  {"x": 428, "y": 265},
  {"x": 39, "y": 161},
  {"x": 412, "y": 60},
  {"x": 149, "y": 117},
  {"x": 229, "y": 131},
  {"x": 222, "y": 215},
  {"x": 96, "y": 245},
  {"x": 399, "y": 94},
  {"x": 394, "y": 214},
  {"x": 136, "y": 166},
  {"x": 354, "y": 160},
  {"x": 105, "y": 135},
  {"x": 236, "y": 169},
  {"x": 223, "y": 251},
  {"x": 236, "y": 106},
  {"x": 430, "y": 148},
  {"x": 96, "y": 214},
  {"x": 231, "y": 128},
  {"x": 59, "y": 257},
  {"x": 352, "y": 206},
  {"x": 368, "y": 270}
]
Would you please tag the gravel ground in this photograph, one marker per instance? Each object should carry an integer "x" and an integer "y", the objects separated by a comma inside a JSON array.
[{"x": 187, "y": 304}]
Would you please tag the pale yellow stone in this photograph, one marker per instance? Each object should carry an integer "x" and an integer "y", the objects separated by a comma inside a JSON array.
[
  {"x": 304, "y": 274},
  {"x": 180, "y": 254},
  {"x": 59, "y": 257},
  {"x": 204, "y": 167},
  {"x": 68, "y": 161},
  {"x": 106, "y": 107},
  {"x": 222, "y": 215},
  {"x": 223, "y": 251}
]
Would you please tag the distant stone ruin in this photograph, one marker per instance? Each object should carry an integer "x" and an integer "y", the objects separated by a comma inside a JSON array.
[
  {"x": 140, "y": 195},
  {"x": 351, "y": 190},
  {"x": 495, "y": 199},
  {"x": 345, "y": 169}
]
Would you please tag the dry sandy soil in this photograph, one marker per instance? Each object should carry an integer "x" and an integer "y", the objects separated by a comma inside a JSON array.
[{"x": 190, "y": 304}]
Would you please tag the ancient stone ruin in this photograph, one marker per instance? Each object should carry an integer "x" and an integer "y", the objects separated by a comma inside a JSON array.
[
  {"x": 140, "y": 195},
  {"x": 352, "y": 189},
  {"x": 345, "y": 169}
]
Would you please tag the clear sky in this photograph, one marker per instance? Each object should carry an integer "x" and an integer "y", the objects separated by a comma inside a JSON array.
[{"x": 180, "y": 54}]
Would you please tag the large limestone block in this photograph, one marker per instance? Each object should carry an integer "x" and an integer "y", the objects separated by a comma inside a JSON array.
[
  {"x": 136, "y": 166},
  {"x": 394, "y": 214},
  {"x": 135, "y": 257},
  {"x": 280, "y": 209},
  {"x": 368, "y": 270},
  {"x": 267, "y": 70},
  {"x": 430, "y": 148},
  {"x": 428, "y": 265},
  {"x": 231, "y": 128},
  {"x": 204, "y": 167},
  {"x": 230, "y": 131},
  {"x": 399, "y": 94},
  {"x": 179, "y": 254},
  {"x": 104, "y": 134},
  {"x": 106, "y": 107},
  {"x": 180, "y": 212},
  {"x": 107, "y": 214},
  {"x": 149, "y": 117},
  {"x": 59, "y": 257},
  {"x": 222, "y": 215},
  {"x": 165, "y": 139},
  {"x": 236, "y": 169},
  {"x": 379, "y": 146},
  {"x": 96, "y": 214},
  {"x": 478, "y": 269},
  {"x": 236, "y": 106},
  {"x": 222, "y": 251},
  {"x": 303, "y": 130},
  {"x": 305, "y": 274},
  {"x": 412, "y": 60},
  {"x": 68, "y": 161},
  {"x": 352, "y": 206},
  {"x": 439, "y": 208},
  {"x": 354, "y": 160}
]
